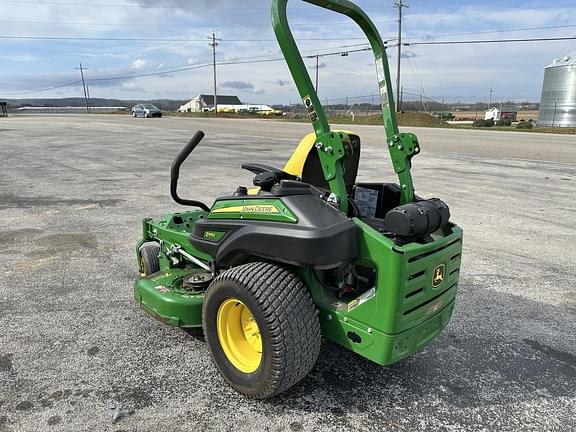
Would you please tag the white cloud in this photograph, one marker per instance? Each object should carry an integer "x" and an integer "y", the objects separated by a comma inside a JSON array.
[
  {"x": 25, "y": 58},
  {"x": 131, "y": 87},
  {"x": 138, "y": 63},
  {"x": 513, "y": 70}
]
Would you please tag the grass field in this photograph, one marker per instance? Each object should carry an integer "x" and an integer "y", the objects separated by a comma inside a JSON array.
[
  {"x": 405, "y": 119},
  {"x": 522, "y": 115}
]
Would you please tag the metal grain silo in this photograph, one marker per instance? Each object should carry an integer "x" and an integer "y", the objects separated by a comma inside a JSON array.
[{"x": 558, "y": 101}]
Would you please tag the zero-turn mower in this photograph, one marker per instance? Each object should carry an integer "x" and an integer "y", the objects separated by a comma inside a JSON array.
[{"x": 308, "y": 252}]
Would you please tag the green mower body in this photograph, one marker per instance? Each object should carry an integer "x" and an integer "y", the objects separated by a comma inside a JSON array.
[
  {"x": 402, "y": 312},
  {"x": 379, "y": 264}
]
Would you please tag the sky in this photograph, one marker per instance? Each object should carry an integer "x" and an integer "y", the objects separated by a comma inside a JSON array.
[{"x": 177, "y": 31}]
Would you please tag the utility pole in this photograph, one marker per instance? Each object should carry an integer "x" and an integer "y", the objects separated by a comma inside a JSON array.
[
  {"x": 214, "y": 44},
  {"x": 317, "y": 68},
  {"x": 490, "y": 100},
  {"x": 400, "y": 5},
  {"x": 84, "y": 87},
  {"x": 88, "y": 94},
  {"x": 476, "y": 105}
]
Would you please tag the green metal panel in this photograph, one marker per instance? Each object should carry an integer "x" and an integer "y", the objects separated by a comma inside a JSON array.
[
  {"x": 405, "y": 311},
  {"x": 264, "y": 209}
]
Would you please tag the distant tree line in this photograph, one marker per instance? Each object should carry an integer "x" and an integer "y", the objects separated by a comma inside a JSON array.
[{"x": 358, "y": 107}]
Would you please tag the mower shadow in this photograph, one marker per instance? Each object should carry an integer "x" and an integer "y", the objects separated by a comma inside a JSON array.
[
  {"x": 195, "y": 333},
  {"x": 473, "y": 364}
]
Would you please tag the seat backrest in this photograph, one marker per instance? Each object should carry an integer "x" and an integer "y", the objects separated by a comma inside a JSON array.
[{"x": 305, "y": 162}]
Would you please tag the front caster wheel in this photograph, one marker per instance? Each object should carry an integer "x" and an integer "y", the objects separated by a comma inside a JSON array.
[
  {"x": 261, "y": 328},
  {"x": 149, "y": 259}
]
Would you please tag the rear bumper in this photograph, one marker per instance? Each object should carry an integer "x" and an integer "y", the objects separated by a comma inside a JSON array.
[
  {"x": 383, "y": 348},
  {"x": 397, "y": 347}
]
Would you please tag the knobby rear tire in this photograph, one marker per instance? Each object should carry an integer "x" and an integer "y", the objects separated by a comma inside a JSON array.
[{"x": 288, "y": 323}]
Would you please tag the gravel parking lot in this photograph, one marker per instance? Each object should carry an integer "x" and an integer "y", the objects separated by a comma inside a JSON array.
[{"x": 73, "y": 190}]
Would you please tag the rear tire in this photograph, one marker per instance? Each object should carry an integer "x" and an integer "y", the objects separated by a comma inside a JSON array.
[
  {"x": 276, "y": 307},
  {"x": 149, "y": 259}
]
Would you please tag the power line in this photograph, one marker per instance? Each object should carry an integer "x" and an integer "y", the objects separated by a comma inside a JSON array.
[
  {"x": 339, "y": 52},
  {"x": 75, "y": 38},
  {"x": 238, "y": 61},
  {"x": 84, "y": 23},
  {"x": 426, "y": 36},
  {"x": 183, "y": 69},
  {"x": 268, "y": 60},
  {"x": 113, "y": 39},
  {"x": 151, "y": 5},
  {"x": 54, "y": 87},
  {"x": 412, "y": 62},
  {"x": 421, "y": 36},
  {"x": 479, "y": 12},
  {"x": 299, "y": 39},
  {"x": 125, "y": 39},
  {"x": 489, "y": 41},
  {"x": 143, "y": 75}
]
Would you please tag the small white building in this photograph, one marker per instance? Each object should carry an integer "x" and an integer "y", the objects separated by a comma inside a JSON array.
[
  {"x": 492, "y": 114},
  {"x": 226, "y": 104},
  {"x": 505, "y": 112},
  {"x": 205, "y": 103}
]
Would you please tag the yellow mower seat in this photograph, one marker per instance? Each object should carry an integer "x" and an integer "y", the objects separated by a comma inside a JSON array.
[{"x": 305, "y": 162}]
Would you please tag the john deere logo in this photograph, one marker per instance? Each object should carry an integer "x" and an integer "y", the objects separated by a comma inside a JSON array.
[
  {"x": 271, "y": 209},
  {"x": 438, "y": 277}
]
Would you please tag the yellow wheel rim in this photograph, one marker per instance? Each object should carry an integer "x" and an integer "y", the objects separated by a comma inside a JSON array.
[
  {"x": 239, "y": 335},
  {"x": 144, "y": 272}
]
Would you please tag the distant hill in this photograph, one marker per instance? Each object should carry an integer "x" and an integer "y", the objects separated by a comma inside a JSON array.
[{"x": 163, "y": 104}]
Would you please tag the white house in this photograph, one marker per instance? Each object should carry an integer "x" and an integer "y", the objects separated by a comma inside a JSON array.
[
  {"x": 492, "y": 114},
  {"x": 505, "y": 112},
  {"x": 226, "y": 104},
  {"x": 205, "y": 103}
]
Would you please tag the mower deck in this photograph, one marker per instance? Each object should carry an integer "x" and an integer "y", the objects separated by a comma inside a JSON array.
[{"x": 159, "y": 296}]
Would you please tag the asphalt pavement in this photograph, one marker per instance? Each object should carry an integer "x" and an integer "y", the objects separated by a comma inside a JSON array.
[{"x": 73, "y": 190}]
